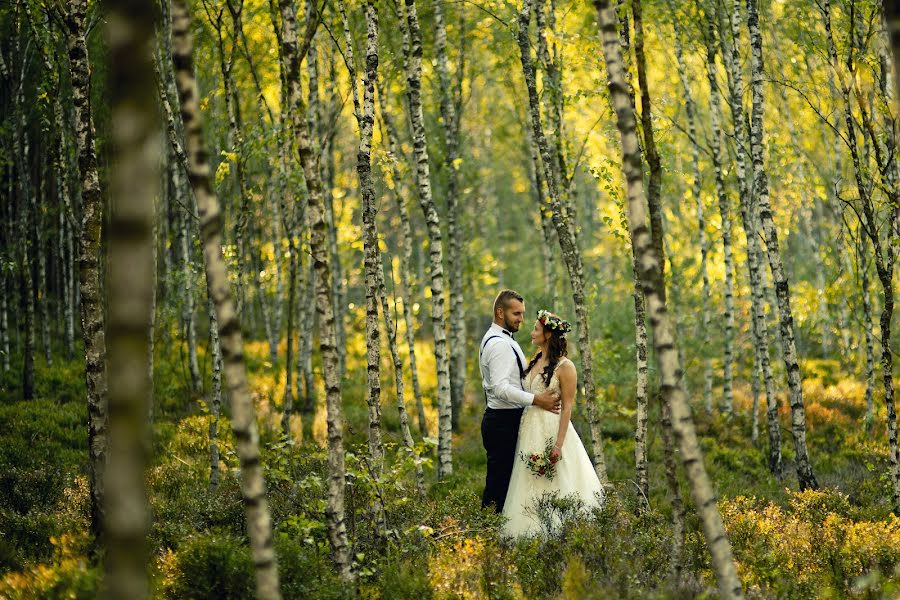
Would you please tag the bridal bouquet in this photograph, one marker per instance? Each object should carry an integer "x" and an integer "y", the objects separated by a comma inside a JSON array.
[{"x": 541, "y": 464}]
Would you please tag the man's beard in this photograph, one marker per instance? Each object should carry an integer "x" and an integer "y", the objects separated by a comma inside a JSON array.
[{"x": 509, "y": 326}]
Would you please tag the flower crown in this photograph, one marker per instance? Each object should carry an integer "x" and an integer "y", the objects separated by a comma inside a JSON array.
[{"x": 551, "y": 321}]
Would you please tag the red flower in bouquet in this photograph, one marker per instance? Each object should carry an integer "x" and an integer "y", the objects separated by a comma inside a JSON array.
[{"x": 542, "y": 464}]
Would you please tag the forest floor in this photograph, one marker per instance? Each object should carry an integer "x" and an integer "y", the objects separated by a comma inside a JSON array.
[{"x": 837, "y": 542}]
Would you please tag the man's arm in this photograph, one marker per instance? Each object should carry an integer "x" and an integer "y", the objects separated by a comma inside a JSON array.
[{"x": 499, "y": 360}]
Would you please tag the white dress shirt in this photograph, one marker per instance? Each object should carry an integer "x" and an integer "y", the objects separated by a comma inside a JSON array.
[{"x": 500, "y": 372}]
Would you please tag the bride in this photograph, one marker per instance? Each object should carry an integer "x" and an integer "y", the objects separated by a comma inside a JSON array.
[{"x": 550, "y": 459}]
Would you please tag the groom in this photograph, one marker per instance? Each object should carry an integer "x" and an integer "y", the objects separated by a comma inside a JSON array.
[{"x": 502, "y": 364}]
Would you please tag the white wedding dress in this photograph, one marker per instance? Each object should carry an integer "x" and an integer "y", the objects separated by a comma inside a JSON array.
[{"x": 575, "y": 475}]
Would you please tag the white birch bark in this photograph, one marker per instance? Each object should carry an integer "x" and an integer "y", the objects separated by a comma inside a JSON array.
[
  {"x": 293, "y": 50},
  {"x": 404, "y": 252},
  {"x": 571, "y": 254},
  {"x": 90, "y": 296},
  {"x": 884, "y": 257},
  {"x": 259, "y": 526},
  {"x": 365, "y": 117},
  {"x": 435, "y": 249},
  {"x": 451, "y": 124},
  {"x": 654, "y": 206},
  {"x": 806, "y": 477},
  {"x": 869, "y": 420},
  {"x": 664, "y": 342},
  {"x": 641, "y": 385},
  {"x": 749, "y": 217},
  {"x": 188, "y": 309},
  {"x": 215, "y": 395},
  {"x": 697, "y": 194},
  {"x": 727, "y": 403}
]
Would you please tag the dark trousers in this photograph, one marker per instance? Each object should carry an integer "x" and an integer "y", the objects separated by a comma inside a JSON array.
[{"x": 499, "y": 433}]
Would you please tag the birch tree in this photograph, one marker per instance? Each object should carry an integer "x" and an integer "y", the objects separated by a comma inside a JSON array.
[
  {"x": 256, "y": 509},
  {"x": 293, "y": 51},
  {"x": 663, "y": 340},
  {"x": 404, "y": 247},
  {"x": 884, "y": 257},
  {"x": 749, "y": 219},
  {"x": 23, "y": 190},
  {"x": 92, "y": 318},
  {"x": 642, "y": 381},
  {"x": 365, "y": 118},
  {"x": 805, "y": 476},
  {"x": 134, "y": 182},
  {"x": 727, "y": 405},
  {"x": 654, "y": 206},
  {"x": 433, "y": 224},
  {"x": 451, "y": 108},
  {"x": 697, "y": 195},
  {"x": 571, "y": 254}
]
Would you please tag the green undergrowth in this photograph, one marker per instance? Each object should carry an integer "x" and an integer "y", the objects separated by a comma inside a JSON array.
[{"x": 838, "y": 542}]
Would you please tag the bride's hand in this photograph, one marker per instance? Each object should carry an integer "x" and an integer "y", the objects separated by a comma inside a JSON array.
[{"x": 555, "y": 454}]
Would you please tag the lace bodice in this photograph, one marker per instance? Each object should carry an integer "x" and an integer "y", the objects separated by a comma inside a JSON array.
[{"x": 534, "y": 380}]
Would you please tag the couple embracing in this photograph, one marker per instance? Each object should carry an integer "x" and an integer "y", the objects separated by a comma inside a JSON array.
[{"x": 532, "y": 448}]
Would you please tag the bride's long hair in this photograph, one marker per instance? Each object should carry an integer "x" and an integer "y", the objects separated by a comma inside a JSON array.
[{"x": 557, "y": 347}]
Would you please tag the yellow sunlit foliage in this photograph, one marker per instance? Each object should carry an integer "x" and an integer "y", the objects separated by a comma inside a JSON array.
[
  {"x": 810, "y": 548},
  {"x": 456, "y": 571},
  {"x": 68, "y": 575}
]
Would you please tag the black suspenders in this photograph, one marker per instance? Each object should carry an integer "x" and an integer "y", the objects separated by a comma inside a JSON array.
[{"x": 516, "y": 354}]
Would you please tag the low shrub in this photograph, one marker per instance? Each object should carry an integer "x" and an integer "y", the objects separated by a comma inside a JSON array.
[
  {"x": 208, "y": 566},
  {"x": 812, "y": 549},
  {"x": 68, "y": 575}
]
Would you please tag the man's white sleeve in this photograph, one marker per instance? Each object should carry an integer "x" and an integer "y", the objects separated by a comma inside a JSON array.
[{"x": 500, "y": 361}]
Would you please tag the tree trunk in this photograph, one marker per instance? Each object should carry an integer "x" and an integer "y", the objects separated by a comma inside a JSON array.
[
  {"x": 536, "y": 178},
  {"x": 65, "y": 222},
  {"x": 642, "y": 410},
  {"x": 654, "y": 183},
  {"x": 236, "y": 145},
  {"x": 397, "y": 361},
  {"x": 806, "y": 477},
  {"x": 24, "y": 193},
  {"x": 884, "y": 258},
  {"x": 151, "y": 326},
  {"x": 256, "y": 508},
  {"x": 664, "y": 342},
  {"x": 759, "y": 328},
  {"x": 697, "y": 195},
  {"x": 26, "y": 271},
  {"x": 304, "y": 350},
  {"x": 215, "y": 405},
  {"x": 134, "y": 182},
  {"x": 91, "y": 298},
  {"x": 654, "y": 186},
  {"x": 869, "y": 421},
  {"x": 293, "y": 53},
  {"x": 35, "y": 200},
  {"x": 4, "y": 318},
  {"x": 188, "y": 310},
  {"x": 571, "y": 255},
  {"x": 323, "y": 126},
  {"x": 727, "y": 405},
  {"x": 451, "y": 125},
  {"x": 365, "y": 118},
  {"x": 404, "y": 252},
  {"x": 423, "y": 185},
  {"x": 289, "y": 350}
]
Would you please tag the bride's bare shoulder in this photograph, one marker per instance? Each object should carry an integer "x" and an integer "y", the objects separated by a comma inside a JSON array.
[{"x": 566, "y": 368}]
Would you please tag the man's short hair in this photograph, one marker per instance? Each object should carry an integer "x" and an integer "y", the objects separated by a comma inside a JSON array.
[{"x": 505, "y": 297}]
